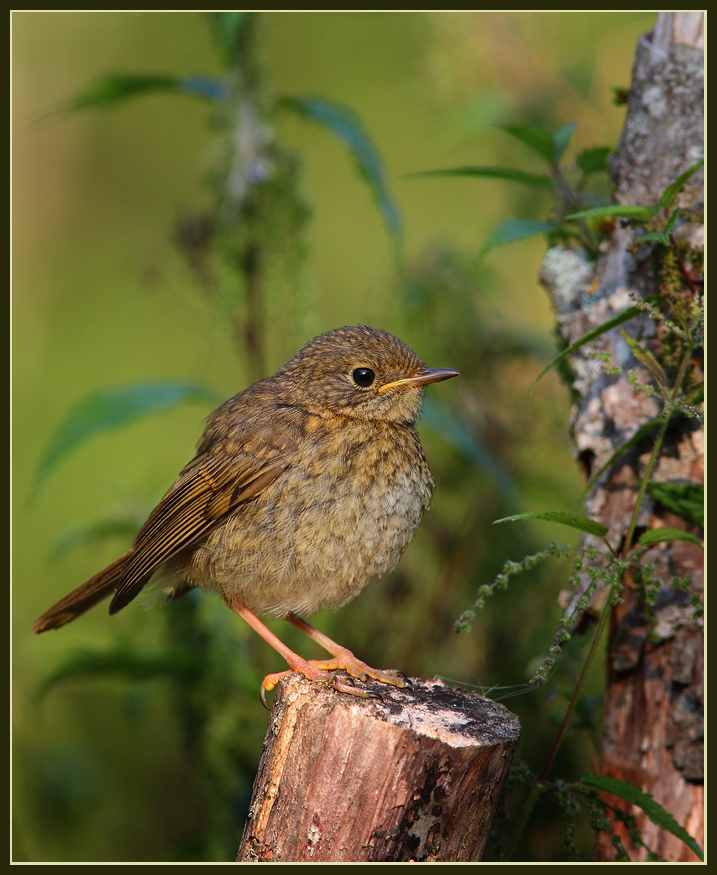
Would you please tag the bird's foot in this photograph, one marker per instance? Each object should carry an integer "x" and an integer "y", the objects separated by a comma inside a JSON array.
[
  {"x": 344, "y": 659},
  {"x": 324, "y": 670}
]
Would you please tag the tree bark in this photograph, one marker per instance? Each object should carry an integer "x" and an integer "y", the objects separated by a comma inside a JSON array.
[
  {"x": 414, "y": 775},
  {"x": 653, "y": 714}
]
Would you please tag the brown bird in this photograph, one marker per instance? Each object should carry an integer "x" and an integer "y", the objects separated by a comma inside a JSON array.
[{"x": 304, "y": 486}]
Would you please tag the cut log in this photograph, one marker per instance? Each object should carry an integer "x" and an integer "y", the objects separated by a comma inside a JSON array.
[{"x": 414, "y": 775}]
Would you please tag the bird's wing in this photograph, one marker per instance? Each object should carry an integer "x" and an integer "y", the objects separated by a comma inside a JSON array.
[{"x": 210, "y": 488}]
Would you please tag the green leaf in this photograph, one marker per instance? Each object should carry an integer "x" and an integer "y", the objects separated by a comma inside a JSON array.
[
  {"x": 683, "y": 497},
  {"x": 574, "y": 520},
  {"x": 91, "y": 533},
  {"x": 614, "y": 211},
  {"x": 346, "y": 125},
  {"x": 671, "y": 192},
  {"x": 534, "y": 180},
  {"x": 594, "y": 160},
  {"x": 115, "y": 88},
  {"x": 662, "y": 236},
  {"x": 658, "y": 536},
  {"x": 645, "y": 357},
  {"x": 630, "y": 313},
  {"x": 515, "y": 229},
  {"x": 657, "y": 814},
  {"x": 561, "y": 140},
  {"x": 109, "y": 409},
  {"x": 537, "y": 139}
]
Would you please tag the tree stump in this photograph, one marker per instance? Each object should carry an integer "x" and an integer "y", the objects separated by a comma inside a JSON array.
[{"x": 414, "y": 775}]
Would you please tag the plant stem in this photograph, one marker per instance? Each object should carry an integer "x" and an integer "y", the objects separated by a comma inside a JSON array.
[
  {"x": 604, "y": 616},
  {"x": 656, "y": 451}
]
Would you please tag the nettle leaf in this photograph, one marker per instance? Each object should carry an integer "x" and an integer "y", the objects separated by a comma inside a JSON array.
[
  {"x": 664, "y": 235},
  {"x": 671, "y": 192},
  {"x": 533, "y": 180},
  {"x": 344, "y": 124},
  {"x": 110, "y": 409},
  {"x": 614, "y": 211},
  {"x": 645, "y": 357},
  {"x": 659, "y": 536},
  {"x": 683, "y": 497},
  {"x": 626, "y": 315},
  {"x": 574, "y": 520},
  {"x": 537, "y": 139},
  {"x": 515, "y": 229},
  {"x": 115, "y": 88},
  {"x": 561, "y": 140},
  {"x": 594, "y": 160},
  {"x": 657, "y": 814}
]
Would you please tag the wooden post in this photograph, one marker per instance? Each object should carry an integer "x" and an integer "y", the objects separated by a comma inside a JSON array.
[{"x": 414, "y": 775}]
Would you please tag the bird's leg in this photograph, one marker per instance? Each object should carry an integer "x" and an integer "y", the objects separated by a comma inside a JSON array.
[
  {"x": 309, "y": 669},
  {"x": 343, "y": 658}
]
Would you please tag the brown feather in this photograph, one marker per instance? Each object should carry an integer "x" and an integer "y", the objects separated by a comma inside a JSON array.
[
  {"x": 201, "y": 499},
  {"x": 84, "y": 597}
]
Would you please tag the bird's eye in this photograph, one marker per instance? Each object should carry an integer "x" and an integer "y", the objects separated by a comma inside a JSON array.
[{"x": 363, "y": 377}]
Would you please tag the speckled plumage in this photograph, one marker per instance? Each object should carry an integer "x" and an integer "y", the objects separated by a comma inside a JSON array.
[{"x": 304, "y": 486}]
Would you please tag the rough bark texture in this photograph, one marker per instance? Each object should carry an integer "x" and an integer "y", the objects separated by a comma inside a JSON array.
[
  {"x": 412, "y": 776},
  {"x": 653, "y": 730}
]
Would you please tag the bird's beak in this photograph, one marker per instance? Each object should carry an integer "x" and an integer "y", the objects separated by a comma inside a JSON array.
[{"x": 422, "y": 378}]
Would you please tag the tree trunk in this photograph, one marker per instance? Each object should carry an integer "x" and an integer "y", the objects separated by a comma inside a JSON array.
[
  {"x": 414, "y": 775},
  {"x": 653, "y": 720}
]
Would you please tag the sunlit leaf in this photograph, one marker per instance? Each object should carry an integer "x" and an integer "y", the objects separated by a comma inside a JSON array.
[
  {"x": 346, "y": 125},
  {"x": 614, "y": 211},
  {"x": 537, "y": 139},
  {"x": 534, "y": 180},
  {"x": 683, "y": 497},
  {"x": 630, "y": 313},
  {"x": 513, "y": 230},
  {"x": 658, "y": 536},
  {"x": 110, "y": 409},
  {"x": 594, "y": 160},
  {"x": 671, "y": 192},
  {"x": 574, "y": 520},
  {"x": 657, "y": 814}
]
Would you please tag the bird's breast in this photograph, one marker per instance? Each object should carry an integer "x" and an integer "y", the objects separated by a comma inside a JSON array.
[{"x": 343, "y": 512}]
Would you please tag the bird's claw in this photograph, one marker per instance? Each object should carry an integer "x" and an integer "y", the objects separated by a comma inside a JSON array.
[{"x": 262, "y": 696}]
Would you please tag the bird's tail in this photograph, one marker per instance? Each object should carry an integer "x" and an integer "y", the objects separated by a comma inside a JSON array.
[{"x": 84, "y": 597}]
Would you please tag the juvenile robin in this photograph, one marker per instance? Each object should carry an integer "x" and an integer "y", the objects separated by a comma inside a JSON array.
[{"x": 304, "y": 486}]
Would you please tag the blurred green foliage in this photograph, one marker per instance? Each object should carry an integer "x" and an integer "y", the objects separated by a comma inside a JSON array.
[{"x": 152, "y": 759}]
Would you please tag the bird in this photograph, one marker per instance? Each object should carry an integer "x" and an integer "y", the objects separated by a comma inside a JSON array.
[{"x": 304, "y": 486}]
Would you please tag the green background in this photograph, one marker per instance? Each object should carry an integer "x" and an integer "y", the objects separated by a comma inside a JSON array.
[{"x": 103, "y": 769}]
